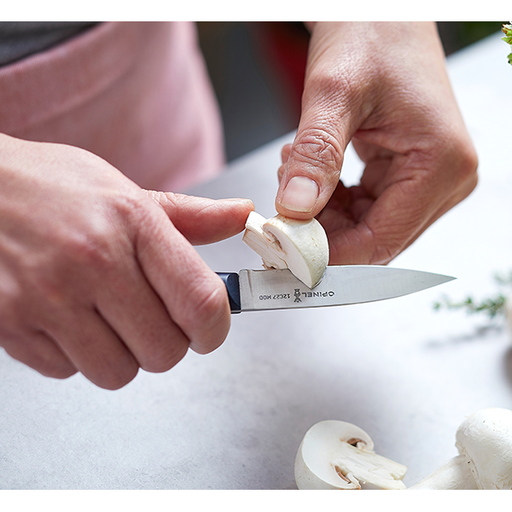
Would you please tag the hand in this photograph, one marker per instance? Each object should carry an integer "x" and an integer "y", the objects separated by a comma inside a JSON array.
[
  {"x": 384, "y": 87},
  {"x": 98, "y": 275}
]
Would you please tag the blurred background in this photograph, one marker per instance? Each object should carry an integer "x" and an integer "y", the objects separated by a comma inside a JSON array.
[{"x": 257, "y": 70}]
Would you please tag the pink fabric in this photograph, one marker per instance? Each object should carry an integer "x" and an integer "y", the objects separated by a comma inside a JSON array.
[{"x": 136, "y": 94}]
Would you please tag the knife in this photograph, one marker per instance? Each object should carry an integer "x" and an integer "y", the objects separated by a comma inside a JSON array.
[{"x": 259, "y": 290}]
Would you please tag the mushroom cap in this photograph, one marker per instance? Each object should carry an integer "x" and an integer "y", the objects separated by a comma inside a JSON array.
[
  {"x": 306, "y": 246},
  {"x": 299, "y": 245},
  {"x": 336, "y": 455},
  {"x": 485, "y": 438}
]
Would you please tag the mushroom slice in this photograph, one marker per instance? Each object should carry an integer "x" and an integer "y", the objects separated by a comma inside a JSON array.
[
  {"x": 299, "y": 245},
  {"x": 339, "y": 455},
  {"x": 484, "y": 442}
]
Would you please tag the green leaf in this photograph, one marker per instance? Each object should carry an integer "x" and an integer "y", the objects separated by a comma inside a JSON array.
[{"x": 507, "y": 30}]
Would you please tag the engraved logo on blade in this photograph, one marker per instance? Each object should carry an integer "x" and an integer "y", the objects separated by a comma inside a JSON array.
[{"x": 298, "y": 295}]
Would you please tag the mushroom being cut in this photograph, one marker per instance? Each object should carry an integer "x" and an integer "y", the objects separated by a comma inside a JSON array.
[
  {"x": 299, "y": 245},
  {"x": 339, "y": 455},
  {"x": 484, "y": 442}
]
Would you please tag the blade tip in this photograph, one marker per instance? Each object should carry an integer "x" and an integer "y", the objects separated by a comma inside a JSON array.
[{"x": 446, "y": 279}]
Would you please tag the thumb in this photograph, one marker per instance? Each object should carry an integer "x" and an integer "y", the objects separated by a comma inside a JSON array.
[
  {"x": 311, "y": 166},
  {"x": 331, "y": 113},
  {"x": 202, "y": 220}
]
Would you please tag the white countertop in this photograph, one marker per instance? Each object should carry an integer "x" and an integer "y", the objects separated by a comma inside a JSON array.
[{"x": 234, "y": 419}]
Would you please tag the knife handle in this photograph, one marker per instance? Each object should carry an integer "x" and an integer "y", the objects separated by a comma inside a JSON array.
[{"x": 232, "y": 282}]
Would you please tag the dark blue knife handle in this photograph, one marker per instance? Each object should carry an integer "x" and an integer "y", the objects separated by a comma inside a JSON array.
[{"x": 232, "y": 282}]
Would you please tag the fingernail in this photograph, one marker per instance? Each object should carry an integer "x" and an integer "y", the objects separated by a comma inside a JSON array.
[{"x": 300, "y": 194}]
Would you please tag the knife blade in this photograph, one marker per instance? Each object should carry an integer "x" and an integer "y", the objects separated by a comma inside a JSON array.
[{"x": 260, "y": 290}]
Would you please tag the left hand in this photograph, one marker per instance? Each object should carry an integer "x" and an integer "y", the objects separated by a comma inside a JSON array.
[{"x": 384, "y": 87}]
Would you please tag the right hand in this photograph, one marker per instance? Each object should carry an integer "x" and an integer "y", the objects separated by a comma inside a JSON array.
[{"x": 98, "y": 275}]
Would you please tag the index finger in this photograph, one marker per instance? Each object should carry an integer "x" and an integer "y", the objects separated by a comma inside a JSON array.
[{"x": 194, "y": 296}]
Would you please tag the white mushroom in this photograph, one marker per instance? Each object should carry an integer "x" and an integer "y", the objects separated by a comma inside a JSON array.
[
  {"x": 339, "y": 455},
  {"x": 508, "y": 313},
  {"x": 484, "y": 441},
  {"x": 299, "y": 245}
]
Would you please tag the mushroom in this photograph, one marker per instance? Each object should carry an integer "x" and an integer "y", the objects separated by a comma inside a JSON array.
[
  {"x": 484, "y": 442},
  {"x": 299, "y": 245},
  {"x": 339, "y": 455},
  {"x": 508, "y": 313}
]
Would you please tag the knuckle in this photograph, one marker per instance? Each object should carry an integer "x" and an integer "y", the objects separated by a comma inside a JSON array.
[
  {"x": 469, "y": 164},
  {"x": 60, "y": 371},
  {"x": 116, "y": 379},
  {"x": 27, "y": 348},
  {"x": 319, "y": 147},
  {"x": 97, "y": 252},
  {"x": 109, "y": 369},
  {"x": 208, "y": 306},
  {"x": 207, "y": 320},
  {"x": 333, "y": 82},
  {"x": 343, "y": 87},
  {"x": 166, "y": 358},
  {"x": 108, "y": 236},
  {"x": 462, "y": 160},
  {"x": 141, "y": 208},
  {"x": 89, "y": 252}
]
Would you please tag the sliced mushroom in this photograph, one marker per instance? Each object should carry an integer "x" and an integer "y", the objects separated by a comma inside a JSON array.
[
  {"x": 339, "y": 455},
  {"x": 484, "y": 442},
  {"x": 299, "y": 245}
]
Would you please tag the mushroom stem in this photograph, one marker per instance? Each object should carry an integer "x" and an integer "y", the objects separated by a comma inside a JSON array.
[
  {"x": 339, "y": 455},
  {"x": 454, "y": 474},
  {"x": 368, "y": 469}
]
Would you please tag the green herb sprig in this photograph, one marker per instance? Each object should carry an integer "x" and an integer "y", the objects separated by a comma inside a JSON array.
[
  {"x": 507, "y": 30},
  {"x": 492, "y": 306}
]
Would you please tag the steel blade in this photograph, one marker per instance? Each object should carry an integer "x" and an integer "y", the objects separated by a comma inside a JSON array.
[{"x": 340, "y": 285}]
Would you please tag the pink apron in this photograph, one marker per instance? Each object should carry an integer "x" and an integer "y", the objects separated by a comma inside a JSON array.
[{"x": 136, "y": 94}]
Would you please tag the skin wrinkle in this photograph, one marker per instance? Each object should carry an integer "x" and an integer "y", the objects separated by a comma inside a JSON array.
[
  {"x": 415, "y": 224},
  {"x": 350, "y": 73},
  {"x": 361, "y": 236},
  {"x": 341, "y": 89},
  {"x": 318, "y": 146},
  {"x": 341, "y": 228},
  {"x": 392, "y": 248},
  {"x": 381, "y": 130},
  {"x": 423, "y": 157},
  {"x": 396, "y": 221}
]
